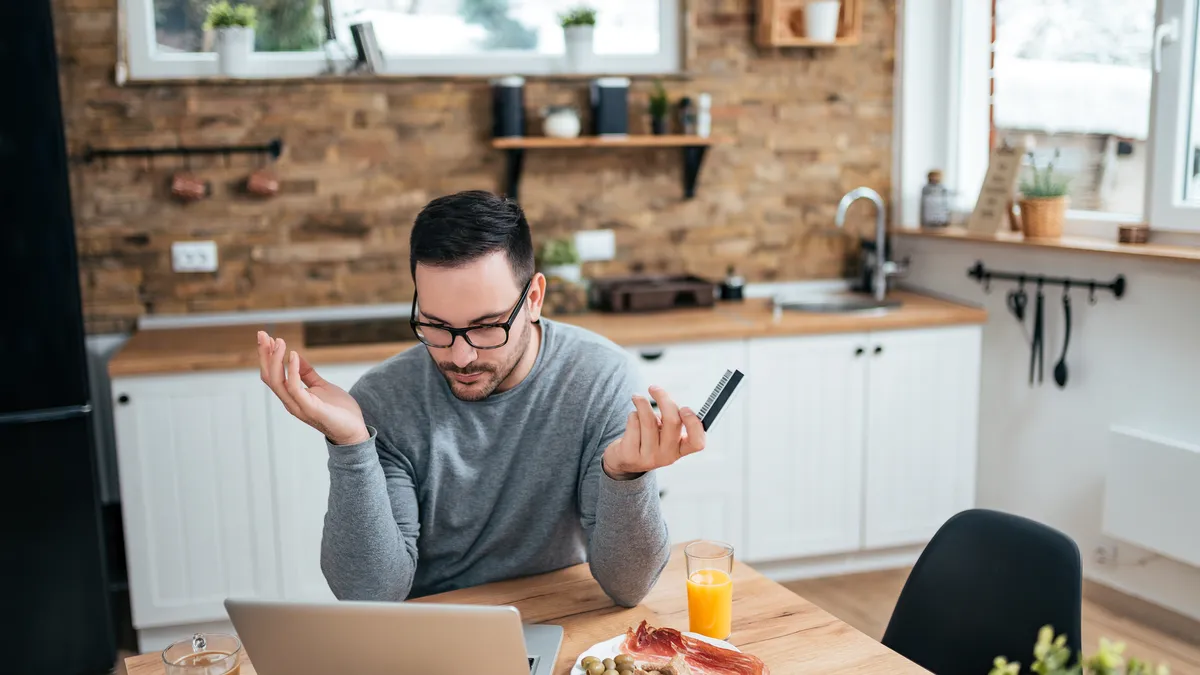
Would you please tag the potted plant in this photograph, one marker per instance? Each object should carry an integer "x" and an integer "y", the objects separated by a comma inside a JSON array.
[
  {"x": 234, "y": 27},
  {"x": 1043, "y": 201},
  {"x": 578, "y": 25},
  {"x": 659, "y": 105},
  {"x": 1051, "y": 656},
  {"x": 559, "y": 258}
]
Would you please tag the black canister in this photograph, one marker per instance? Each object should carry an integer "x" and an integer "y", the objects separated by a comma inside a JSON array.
[
  {"x": 508, "y": 106},
  {"x": 610, "y": 106}
]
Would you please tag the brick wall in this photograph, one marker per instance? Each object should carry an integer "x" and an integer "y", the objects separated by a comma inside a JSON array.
[{"x": 361, "y": 158}]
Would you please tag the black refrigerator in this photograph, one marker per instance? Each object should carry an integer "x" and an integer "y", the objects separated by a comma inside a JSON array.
[{"x": 55, "y": 591}]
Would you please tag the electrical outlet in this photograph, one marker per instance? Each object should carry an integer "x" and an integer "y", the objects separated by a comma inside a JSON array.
[
  {"x": 194, "y": 256},
  {"x": 1106, "y": 554},
  {"x": 596, "y": 245}
]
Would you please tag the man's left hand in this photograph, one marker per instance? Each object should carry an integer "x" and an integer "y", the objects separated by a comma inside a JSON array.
[{"x": 651, "y": 442}]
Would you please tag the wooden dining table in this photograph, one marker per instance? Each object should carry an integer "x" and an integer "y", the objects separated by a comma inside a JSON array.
[{"x": 789, "y": 633}]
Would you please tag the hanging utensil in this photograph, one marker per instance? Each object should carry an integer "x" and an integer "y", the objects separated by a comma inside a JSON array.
[
  {"x": 1060, "y": 369},
  {"x": 1036, "y": 356},
  {"x": 1017, "y": 300}
]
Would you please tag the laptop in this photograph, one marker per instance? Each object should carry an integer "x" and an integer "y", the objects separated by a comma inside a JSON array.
[{"x": 391, "y": 638}]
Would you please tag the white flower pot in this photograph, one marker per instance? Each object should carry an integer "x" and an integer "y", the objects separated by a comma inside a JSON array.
[
  {"x": 234, "y": 47},
  {"x": 578, "y": 47},
  {"x": 821, "y": 20},
  {"x": 572, "y": 273}
]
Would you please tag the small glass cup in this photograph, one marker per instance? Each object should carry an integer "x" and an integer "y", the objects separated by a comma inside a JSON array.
[
  {"x": 204, "y": 654},
  {"x": 710, "y": 588}
]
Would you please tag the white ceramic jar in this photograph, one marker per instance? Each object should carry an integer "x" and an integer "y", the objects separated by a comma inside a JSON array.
[{"x": 561, "y": 122}]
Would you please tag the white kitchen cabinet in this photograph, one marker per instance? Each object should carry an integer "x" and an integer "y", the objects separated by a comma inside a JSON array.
[
  {"x": 195, "y": 483},
  {"x": 805, "y": 468},
  {"x": 921, "y": 426},
  {"x": 300, "y": 491},
  {"x": 859, "y": 441},
  {"x": 702, "y": 494}
]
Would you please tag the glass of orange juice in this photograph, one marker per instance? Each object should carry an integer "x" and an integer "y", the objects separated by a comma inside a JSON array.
[{"x": 710, "y": 588}]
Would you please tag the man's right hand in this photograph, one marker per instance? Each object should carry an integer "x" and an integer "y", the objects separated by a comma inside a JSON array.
[{"x": 307, "y": 396}]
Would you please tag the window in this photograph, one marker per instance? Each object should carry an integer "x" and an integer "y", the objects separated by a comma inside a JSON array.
[
  {"x": 1175, "y": 171},
  {"x": 1080, "y": 78},
  {"x": 418, "y": 37},
  {"x": 1073, "y": 78}
]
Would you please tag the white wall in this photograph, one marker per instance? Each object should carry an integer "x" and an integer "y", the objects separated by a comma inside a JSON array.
[{"x": 1133, "y": 362}]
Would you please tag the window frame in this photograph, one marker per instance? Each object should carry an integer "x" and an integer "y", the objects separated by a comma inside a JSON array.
[
  {"x": 1173, "y": 97},
  {"x": 953, "y": 41},
  {"x": 141, "y": 59}
]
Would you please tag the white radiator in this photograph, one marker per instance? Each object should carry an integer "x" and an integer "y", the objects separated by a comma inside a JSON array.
[{"x": 1152, "y": 494}]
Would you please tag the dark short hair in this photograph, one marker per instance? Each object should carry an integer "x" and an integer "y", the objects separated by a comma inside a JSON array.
[{"x": 461, "y": 228}]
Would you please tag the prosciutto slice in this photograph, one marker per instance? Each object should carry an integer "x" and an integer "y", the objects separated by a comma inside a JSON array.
[{"x": 664, "y": 644}]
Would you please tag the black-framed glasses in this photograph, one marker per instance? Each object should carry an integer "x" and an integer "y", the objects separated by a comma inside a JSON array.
[{"x": 482, "y": 336}]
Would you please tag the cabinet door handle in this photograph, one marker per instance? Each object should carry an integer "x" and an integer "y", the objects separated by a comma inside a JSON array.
[
  {"x": 123, "y": 399},
  {"x": 652, "y": 356},
  {"x": 859, "y": 351},
  {"x": 878, "y": 350}
]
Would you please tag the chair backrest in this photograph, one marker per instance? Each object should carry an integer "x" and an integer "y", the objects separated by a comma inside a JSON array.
[{"x": 982, "y": 588}]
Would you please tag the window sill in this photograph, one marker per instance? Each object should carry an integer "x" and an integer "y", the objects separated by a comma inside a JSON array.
[
  {"x": 372, "y": 78},
  {"x": 1066, "y": 243}
]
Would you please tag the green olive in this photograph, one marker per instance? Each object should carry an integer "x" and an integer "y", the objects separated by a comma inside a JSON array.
[
  {"x": 625, "y": 668},
  {"x": 596, "y": 668},
  {"x": 609, "y": 664},
  {"x": 611, "y": 672},
  {"x": 588, "y": 661},
  {"x": 623, "y": 660}
]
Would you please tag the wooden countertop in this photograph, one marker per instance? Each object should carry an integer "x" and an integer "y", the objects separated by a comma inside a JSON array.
[
  {"x": 1092, "y": 245},
  {"x": 233, "y": 347},
  {"x": 789, "y": 633}
]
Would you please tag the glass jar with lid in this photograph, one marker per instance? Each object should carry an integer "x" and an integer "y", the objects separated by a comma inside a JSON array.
[{"x": 935, "y": 202}]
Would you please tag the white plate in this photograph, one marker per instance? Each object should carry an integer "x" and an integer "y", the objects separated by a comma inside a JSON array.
[{"x": 610, "y": 648}]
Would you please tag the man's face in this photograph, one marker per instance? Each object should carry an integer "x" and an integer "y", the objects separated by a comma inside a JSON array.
[{"x": 482, "y": 292}]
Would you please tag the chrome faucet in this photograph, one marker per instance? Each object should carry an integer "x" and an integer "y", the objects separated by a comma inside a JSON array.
[{"x": 883, "y": 269}]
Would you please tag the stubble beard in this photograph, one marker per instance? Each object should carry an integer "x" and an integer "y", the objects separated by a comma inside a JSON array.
[{"x": 486, "y": 386}]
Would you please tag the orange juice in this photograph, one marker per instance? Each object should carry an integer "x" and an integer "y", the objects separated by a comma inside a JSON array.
[{"x": 710, "y": 603}]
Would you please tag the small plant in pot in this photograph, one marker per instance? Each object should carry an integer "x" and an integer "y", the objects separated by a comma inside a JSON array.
[
  {"x": 579, "y": 25},
  {"x": 234, "y": 27},
  {"x": 1043, "y": 201},
  {"x": 560, "y": 259},
  {"x": 659, "y": 106}
]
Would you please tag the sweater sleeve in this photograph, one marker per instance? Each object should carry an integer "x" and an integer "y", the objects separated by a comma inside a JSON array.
[
  {"x": 627, "y": 540},
  {"x": 369, "y": 544}
]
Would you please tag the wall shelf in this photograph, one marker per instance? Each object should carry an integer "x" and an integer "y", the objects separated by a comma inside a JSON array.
[
  {"x": 692, "y": 149},
  {"x": 781, "y": 24}
]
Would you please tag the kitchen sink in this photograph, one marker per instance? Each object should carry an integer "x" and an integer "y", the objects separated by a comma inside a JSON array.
[{"x": 836, "y": 303}]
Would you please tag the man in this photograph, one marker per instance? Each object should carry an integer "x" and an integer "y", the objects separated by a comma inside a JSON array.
[{"x": 506, "y": 446}]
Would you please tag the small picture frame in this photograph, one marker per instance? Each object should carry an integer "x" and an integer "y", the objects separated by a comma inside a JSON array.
[{"x": 370, "y": 56}]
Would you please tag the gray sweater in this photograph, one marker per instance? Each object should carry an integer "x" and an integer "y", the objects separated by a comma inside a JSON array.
[{"x": 448, "y": 494}]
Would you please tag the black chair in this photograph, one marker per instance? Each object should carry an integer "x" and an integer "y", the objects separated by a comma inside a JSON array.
[{"x": 982, "y": 588}]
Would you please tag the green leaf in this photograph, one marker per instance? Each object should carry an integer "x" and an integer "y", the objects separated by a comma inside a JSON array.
[
  {"x": 659, "y": 103},
  {"x": 559, "y": 252},
  {"x": 1042, "y": 183},
  {"x": 223, "y": 15},
  {"x": 582, "y": 15}
]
